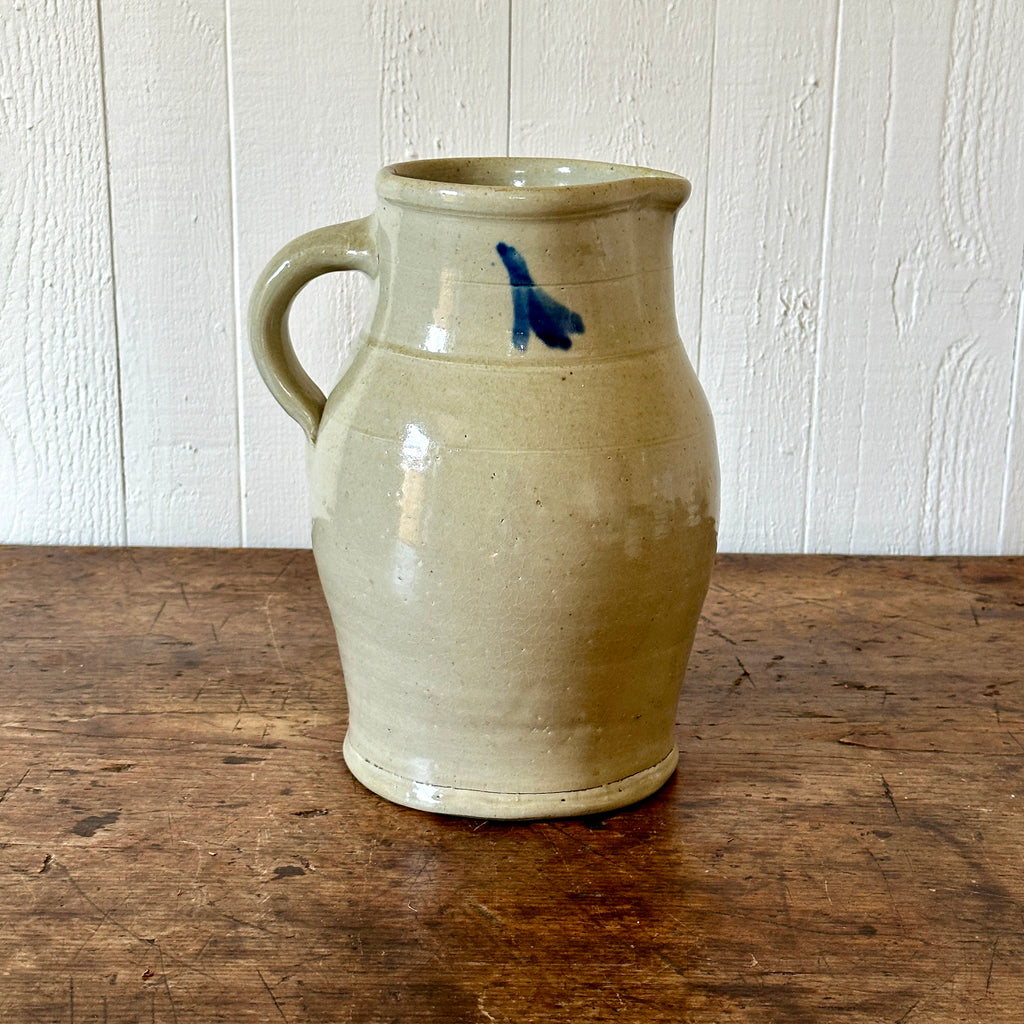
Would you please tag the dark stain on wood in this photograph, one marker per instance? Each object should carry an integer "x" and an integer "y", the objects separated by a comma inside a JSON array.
[{"x": 88, "y": 827}]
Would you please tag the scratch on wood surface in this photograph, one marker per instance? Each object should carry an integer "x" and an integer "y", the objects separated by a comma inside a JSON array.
[
  {"x": 156, "y": 617},
  {"x": 672, "y": 965},
  {"x": 270, "y": 992},
  {"x": 167, "y": 984},
  {"x": 487, "y": 914},
  {"x": 732, "y": 593},
  {"x": 888, "y": 889},
  {"x": 213, "y": 908},
  {"x": 889, "y": 797},
  {"x": 287, "y": 565},
  {"x": 797, "y": 928},
  {"x": 85, "y": 942},
  {"x": 712, "y": 631},
  {"x": 109, "y": 916},
  {"x": 744, "y": 674},
  {"x": 270, "y": 626},
  {"x": 901, "y": 1020},
  {"x": 11, "y": 789},
  {"x": 588, "y": 848},
  {"x": 991, "y": 964},
  {"x": 480, "y": 1007}
]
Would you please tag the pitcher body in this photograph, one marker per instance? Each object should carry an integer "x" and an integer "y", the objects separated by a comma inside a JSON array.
[{"x": 514, "y": 487}]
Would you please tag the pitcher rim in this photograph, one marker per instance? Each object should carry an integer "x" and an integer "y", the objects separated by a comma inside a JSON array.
[{"x": 535, "y": 186}]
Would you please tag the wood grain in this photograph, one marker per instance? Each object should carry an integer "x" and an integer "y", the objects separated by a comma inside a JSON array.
[
  {"x": 60, "y": 438},
  {"x": 180, "y": 840},
  {"x": 170, "y": 181},
  {"x": 922, "y": 284},
  {"x": 767, "y": 183},
  {"x": 849, "y": 267}
]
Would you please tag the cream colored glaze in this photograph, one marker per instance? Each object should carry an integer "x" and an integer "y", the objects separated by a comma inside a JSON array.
[{"x": 514, "y": 544}]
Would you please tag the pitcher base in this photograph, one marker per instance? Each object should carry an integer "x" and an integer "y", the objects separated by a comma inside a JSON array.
[{"x": 475, "y": 803}]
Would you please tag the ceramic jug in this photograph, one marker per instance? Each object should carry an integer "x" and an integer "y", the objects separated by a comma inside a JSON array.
[{"x": 514, "y": 484}]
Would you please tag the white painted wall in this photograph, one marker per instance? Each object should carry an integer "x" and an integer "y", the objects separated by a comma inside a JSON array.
[{"x": 849, "y": 267}]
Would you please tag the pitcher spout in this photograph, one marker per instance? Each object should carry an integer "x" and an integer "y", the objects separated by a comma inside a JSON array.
[{"x": 663, "y": 189}]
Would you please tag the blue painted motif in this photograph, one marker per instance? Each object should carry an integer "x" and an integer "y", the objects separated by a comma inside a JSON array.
[{"x": 533, "y": 309}]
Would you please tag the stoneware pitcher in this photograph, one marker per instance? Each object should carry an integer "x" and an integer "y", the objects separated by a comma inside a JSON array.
[{"x": 514, "y": 485}]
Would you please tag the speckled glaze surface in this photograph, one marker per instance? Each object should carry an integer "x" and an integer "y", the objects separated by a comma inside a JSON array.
[{"x": 514, "y": 484}]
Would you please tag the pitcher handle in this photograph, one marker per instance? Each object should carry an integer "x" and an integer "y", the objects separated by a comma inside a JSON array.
[{"x": 348, "y": 246}]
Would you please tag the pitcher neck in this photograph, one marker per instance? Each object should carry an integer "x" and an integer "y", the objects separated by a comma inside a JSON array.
[
  {"x": 504, "y": 288},
  {"x": 506, "y": 259}
]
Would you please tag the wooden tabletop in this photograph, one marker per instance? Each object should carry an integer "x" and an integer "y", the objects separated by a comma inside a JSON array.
[{"x": 181, "y": 841}]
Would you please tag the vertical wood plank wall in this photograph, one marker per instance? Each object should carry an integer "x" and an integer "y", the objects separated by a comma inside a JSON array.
[{"x": 849, "y": 265}]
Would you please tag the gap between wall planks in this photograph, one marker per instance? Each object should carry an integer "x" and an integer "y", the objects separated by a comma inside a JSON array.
[{"x": 849, "y": 266}]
